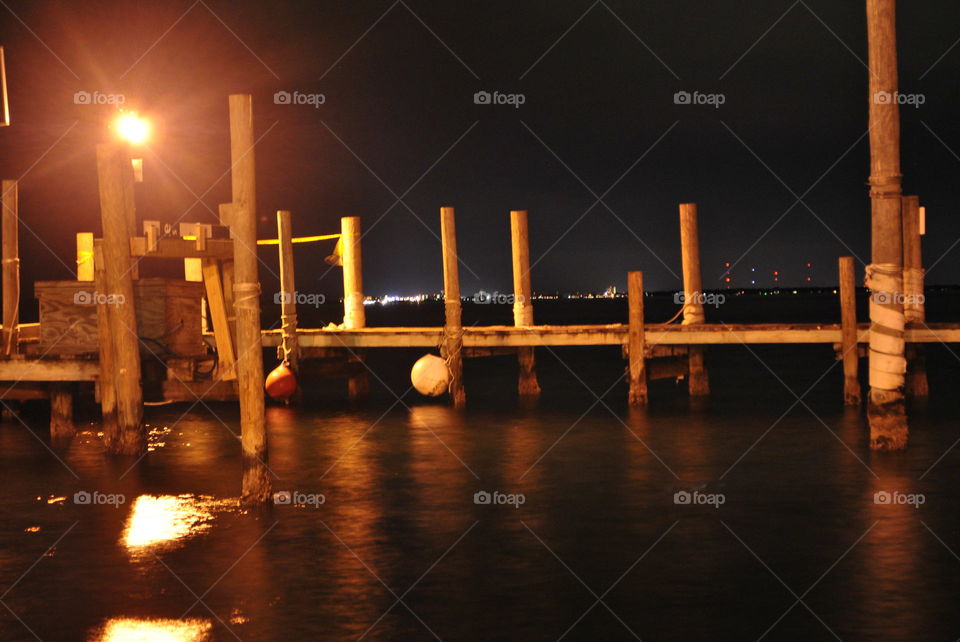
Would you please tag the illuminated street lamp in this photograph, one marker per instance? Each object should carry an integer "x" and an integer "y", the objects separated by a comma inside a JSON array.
[
  {"x": 134, "y": 130},
  {"x": 131, "y": 128}
]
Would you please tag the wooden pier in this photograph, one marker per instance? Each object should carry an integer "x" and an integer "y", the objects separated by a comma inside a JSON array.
[{"x": 126, "y": 338}]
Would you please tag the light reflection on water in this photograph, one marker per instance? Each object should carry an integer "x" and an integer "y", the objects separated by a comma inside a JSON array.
[
  {"x": 159, "y": 630},
  {"x": 161, "y": 520}
]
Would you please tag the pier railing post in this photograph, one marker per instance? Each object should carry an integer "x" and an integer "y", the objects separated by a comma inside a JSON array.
[
  {"x": 354, "y": 315},
  {"x": 636, "y": 341},
  {"x": 699, "y": 382},
  {"x": 290, "y": 344},
  {"x": 11, "y": 268},
  {"x": 85, "y": 270},
  {"x": 886, "y": 411},
  {"x": 116, "y": 202},
  {"x": 849, "y": 349},
  {"x": 527, "y": 387},
  {"x": 453, "y": 328},
  {"x": 914, "y": 304},
  {"x": 246, "y": 288}
]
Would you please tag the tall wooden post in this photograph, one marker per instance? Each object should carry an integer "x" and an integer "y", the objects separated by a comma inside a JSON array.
[
  {"x": 636, "y": 342},
  {"x": 699, "y": 382},
  {"x": 354, "y": 315},
  {"x": 914, "y": 304},
  {"x": 116, "y": 201},
  {"x": 885, "y": 408},
  {"x": 288, "y": 292},
  {"x": 452, "y": 350},
  {"x": 11, "y": 268},
  {"x": 848, "y": 332},
  {"x": 246, "y": 289},
  {"x": 106, "y": 382},
  {"x": 527, "y": 387}
]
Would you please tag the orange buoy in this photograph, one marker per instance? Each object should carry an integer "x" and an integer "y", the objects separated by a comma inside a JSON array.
[{"x": 281, "y": 383}]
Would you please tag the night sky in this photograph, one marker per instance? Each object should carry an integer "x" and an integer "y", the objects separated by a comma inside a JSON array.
[{"x": 399, "y": 121}]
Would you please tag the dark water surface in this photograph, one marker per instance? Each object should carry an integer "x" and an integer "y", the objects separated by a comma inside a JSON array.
[{"x": 598, "y": 550}]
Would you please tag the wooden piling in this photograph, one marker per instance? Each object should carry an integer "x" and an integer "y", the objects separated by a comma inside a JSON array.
[
  {"x": 62, "y": 428},
  {"x": 452, "y": 350},
  {"x": 288, "y": 289},
  {"x": 848, "y": 328},
  {"x": 886, "y": 411},
  {"x": 85, "y": 271},
  {"x": 354, "y": 315},
  {"x": 116, "y": 202},
  {"x": 636, "y": 343},
  {"x": 106, "y": 381},
  {"x": 527, "y": 386},
  {"x": 698, "y": 381},
  {"x": 914, "y": 305},
  {"x": 246, "y": 288},
  {"x": 11, "y": 268}
]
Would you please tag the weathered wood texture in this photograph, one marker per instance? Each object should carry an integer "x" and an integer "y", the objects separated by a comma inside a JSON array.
[
  {"x": 886, "y": 411},
  {"x": 167, "y": 313},
  {"x": 527, "y": 386},
  {"x": 118, "y": 215},
  {"x": 453, "y": 328},
  {"x": 636, "y": 341},
  {"x": 10, "y": 267},
  {"x": 256, "y": 480}
]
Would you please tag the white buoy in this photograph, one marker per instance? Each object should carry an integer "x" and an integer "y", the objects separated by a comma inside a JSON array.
[{"x": 430, "y": 375}]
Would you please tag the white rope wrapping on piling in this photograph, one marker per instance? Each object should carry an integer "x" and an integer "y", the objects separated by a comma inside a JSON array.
[
  {"x": 693, "y": 308},
  {"x": 913, "y": 288},
  {"x": 522, "y": 313},
  {"x": 352, "y": 303},
  {"x": 887, "y": 362},
  {"x": 246, "y": 296}
]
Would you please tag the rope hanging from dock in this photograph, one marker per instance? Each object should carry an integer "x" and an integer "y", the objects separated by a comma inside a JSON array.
[{"x": 887, "y": 363}]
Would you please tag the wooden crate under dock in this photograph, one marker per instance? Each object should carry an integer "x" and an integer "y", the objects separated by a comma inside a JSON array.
[{"x": 168, "y": 317}]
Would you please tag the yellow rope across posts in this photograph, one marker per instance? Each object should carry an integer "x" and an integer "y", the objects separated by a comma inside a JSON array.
[{"x": 299, "y": 239}]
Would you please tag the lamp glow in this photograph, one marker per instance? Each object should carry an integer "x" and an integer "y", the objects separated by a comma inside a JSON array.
[{"x": 131, "y": 127}]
